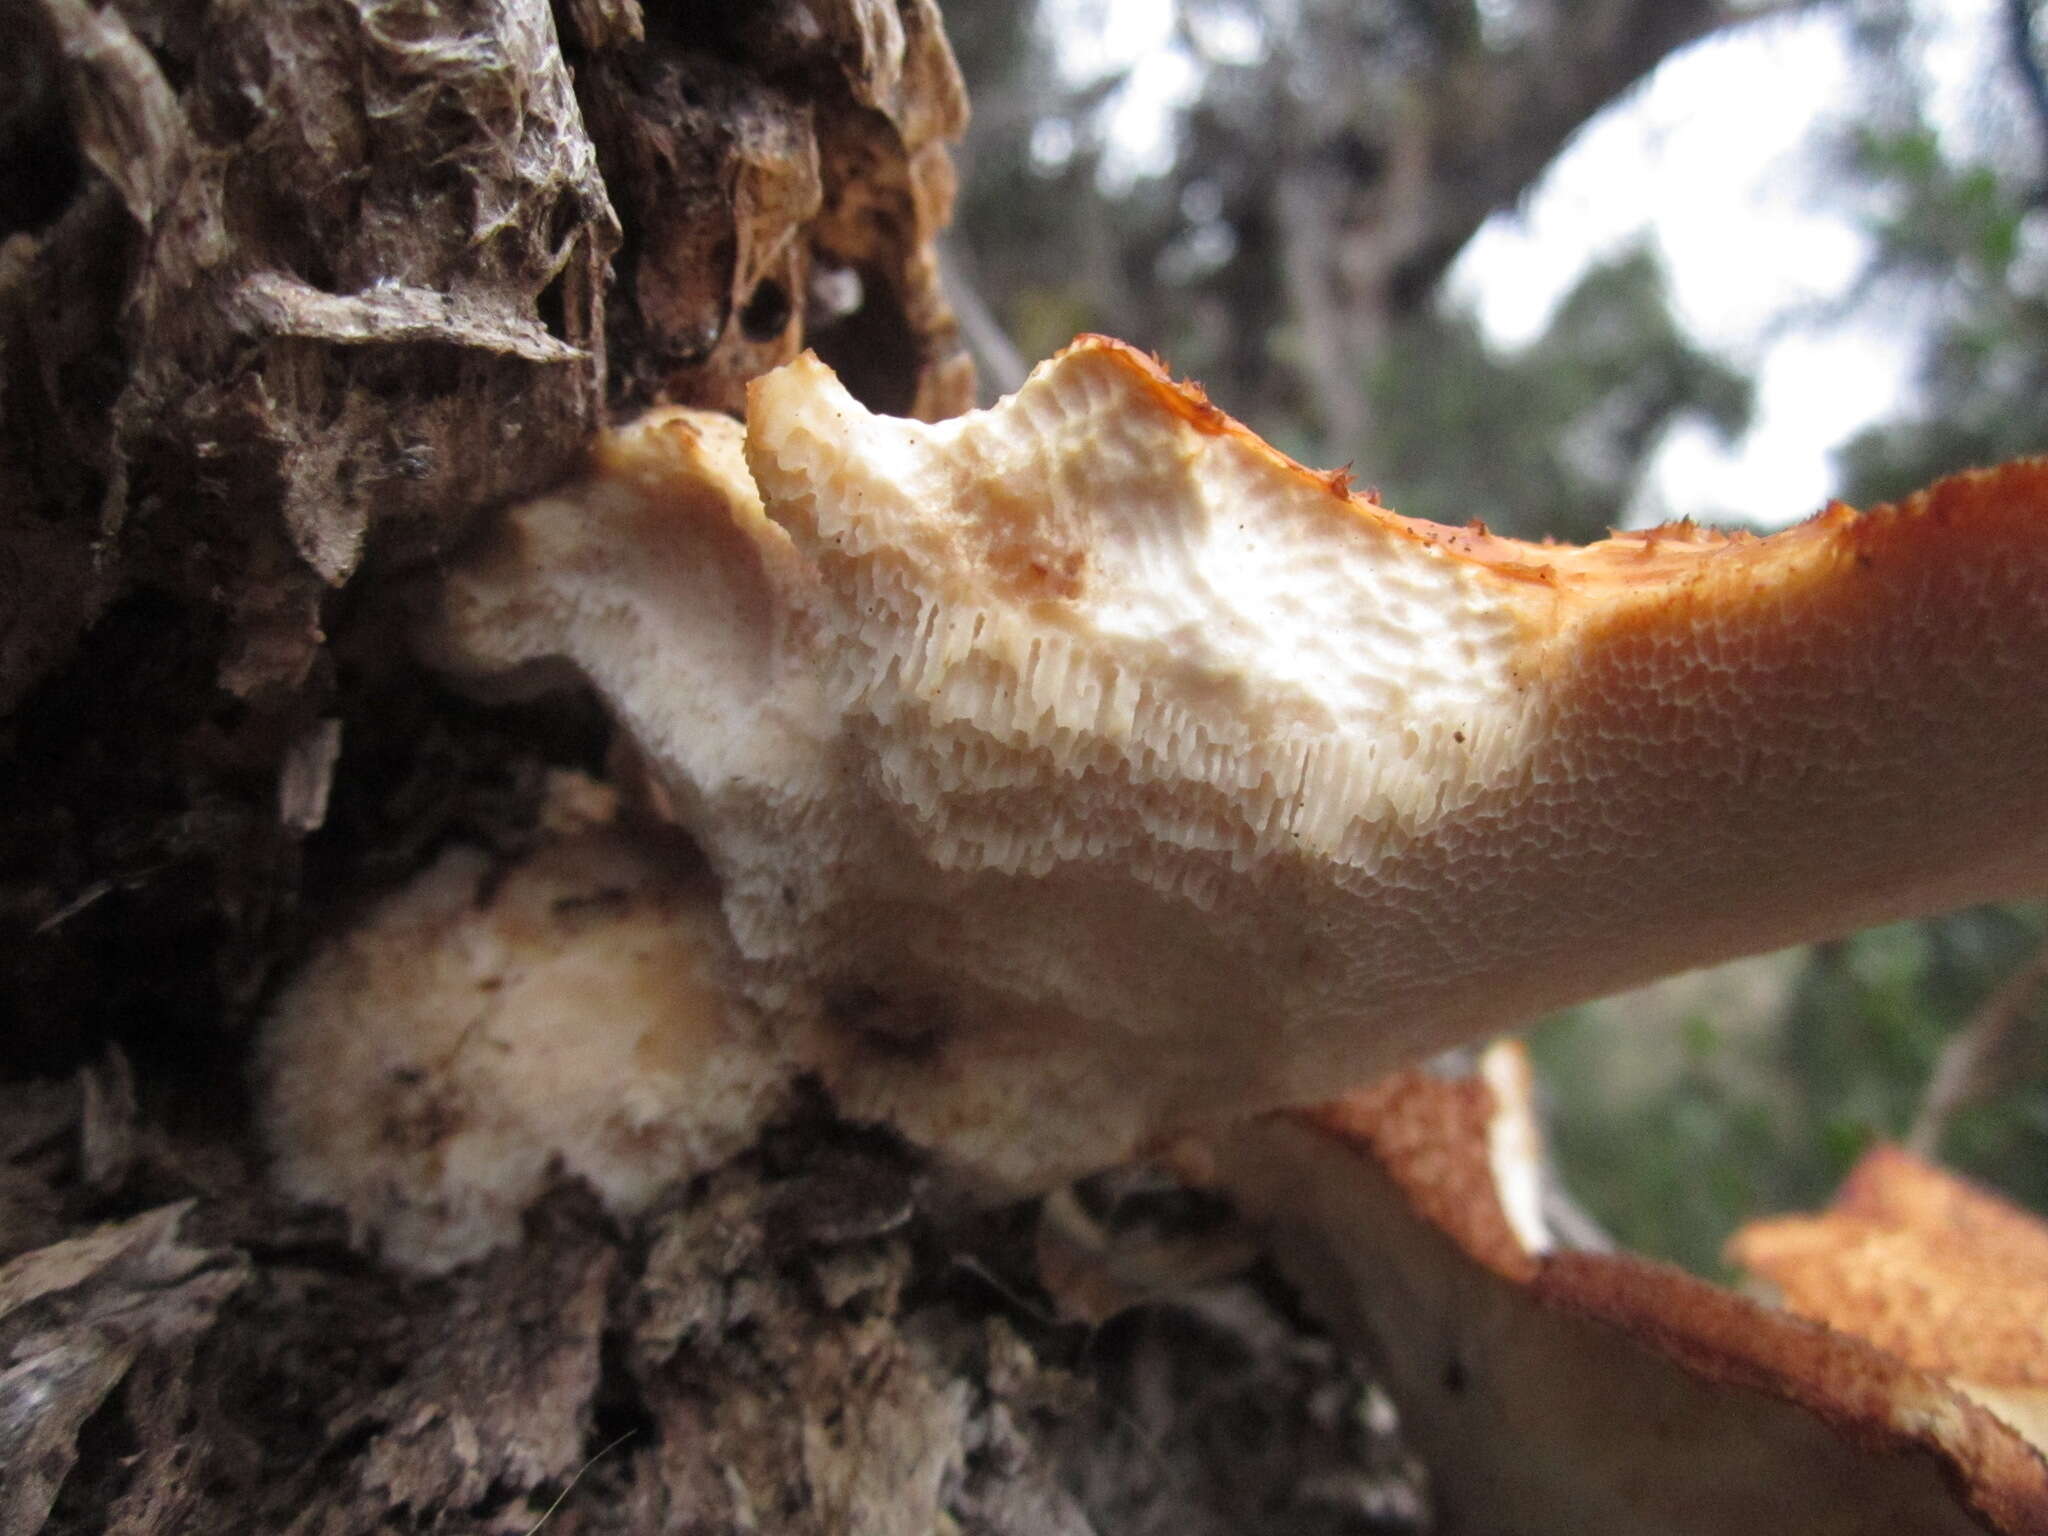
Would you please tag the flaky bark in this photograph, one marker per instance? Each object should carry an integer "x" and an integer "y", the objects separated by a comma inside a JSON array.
[{"x": 291, "y": 295}]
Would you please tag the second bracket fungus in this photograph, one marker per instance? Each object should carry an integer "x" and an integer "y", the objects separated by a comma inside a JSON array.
[
  {"x": 1088, "y": 772},
  {"x": 1601, "y": 1394},
  {"x": 493, "y": 1025}
]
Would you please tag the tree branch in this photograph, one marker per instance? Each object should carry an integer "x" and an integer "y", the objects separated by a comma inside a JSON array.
[
  {"x": 2019, "y": 38},
  {"x": 1969, "y": 1068},
  {"x": 1509, "y": 112}
]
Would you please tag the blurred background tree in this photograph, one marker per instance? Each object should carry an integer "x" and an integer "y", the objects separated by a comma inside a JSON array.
[
  {"x": 1320, "y": 165},
  {"x": 1960, "y": 234},
  {"x": 1271, "y": 198}
]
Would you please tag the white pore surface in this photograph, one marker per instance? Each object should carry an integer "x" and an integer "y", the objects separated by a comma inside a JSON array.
[{"x": 1083, "y": 572}]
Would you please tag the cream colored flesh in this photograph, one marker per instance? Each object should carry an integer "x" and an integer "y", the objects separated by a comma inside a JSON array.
[
  {"x": 1081, "y": 584},
  {"x": 488, "y": 1029},
  {"x": 1094, "y": 773}
]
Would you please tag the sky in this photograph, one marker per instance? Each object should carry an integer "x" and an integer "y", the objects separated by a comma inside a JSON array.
[
  {"x": 1716, "y": 161},
  {"x": 1712, "y": 162}
]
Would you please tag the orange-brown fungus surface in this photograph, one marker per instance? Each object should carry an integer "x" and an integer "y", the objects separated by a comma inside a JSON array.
[
  {"x": 1931, "y": 1269},
  {"x": 1598, "y": 1394}
]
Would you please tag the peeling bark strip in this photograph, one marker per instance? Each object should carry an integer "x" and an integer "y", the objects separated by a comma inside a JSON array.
[
  {"x": 315, "y": 285},
  {"x": 782, "y": 174},
  {"x": 75, "y": 1317},
  {"x": 333, "y": 176}
]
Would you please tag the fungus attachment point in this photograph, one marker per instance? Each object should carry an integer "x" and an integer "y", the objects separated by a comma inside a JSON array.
[{"x": 1141, "y": 779}]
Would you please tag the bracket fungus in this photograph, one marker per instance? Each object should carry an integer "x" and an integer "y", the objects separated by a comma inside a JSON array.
[
  {"x": 1082, "y": 773},
  {"x": 1105, "y": 773},
  {"x": 1579, "y": 1394}
]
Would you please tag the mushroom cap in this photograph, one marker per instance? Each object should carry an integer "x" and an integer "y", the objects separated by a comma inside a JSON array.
[
  {"x": 1583, "y": 1393},
  {"x": 1096, "y": 773}
]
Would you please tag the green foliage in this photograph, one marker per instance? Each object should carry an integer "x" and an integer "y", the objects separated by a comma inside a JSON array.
[
  {"x": 1761, "y": 1119},
  {"x": 1956, "y": 239},
  {"x": 1673, "y": 1171},
  {"x": 1553, "y": 439}
]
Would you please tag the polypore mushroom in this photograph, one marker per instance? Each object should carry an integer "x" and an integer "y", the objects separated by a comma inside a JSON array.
[
  {"x": 1944, "y": 1276},
  {"x": 1097, "y": 773},
  {"x": 1578, "y": 1394}
]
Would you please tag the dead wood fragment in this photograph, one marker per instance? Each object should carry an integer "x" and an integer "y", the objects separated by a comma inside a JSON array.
[
  {"x": 74, "y": 1317},
  {"x": 754, "y": 155},
  {"x": 499, "y": 1393},
  {"x": 792, "y": 1344}
]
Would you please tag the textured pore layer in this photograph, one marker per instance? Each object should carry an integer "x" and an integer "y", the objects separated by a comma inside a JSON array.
[
  {"x": 1093, "y": 772},
  {"x": 1086, "y": 583}
]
